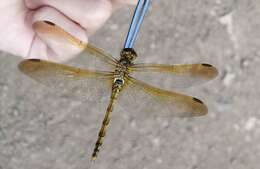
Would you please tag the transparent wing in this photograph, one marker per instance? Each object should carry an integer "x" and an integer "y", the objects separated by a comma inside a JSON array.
[
  {"x": 93, "y": 57},
  {"x": 174, "y": 76},
  {"x": 139, "y": 98},
  {"x": 82, "y": 84}
]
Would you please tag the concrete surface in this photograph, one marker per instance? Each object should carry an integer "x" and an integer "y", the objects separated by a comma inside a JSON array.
[{"x": 40, "y": 129}]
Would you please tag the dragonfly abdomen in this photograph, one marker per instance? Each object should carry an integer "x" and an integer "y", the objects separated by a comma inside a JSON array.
[{"x": 105, "y": 123}]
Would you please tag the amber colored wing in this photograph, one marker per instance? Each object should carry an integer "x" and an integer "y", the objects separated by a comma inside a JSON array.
[
  {"x": 95, "y": 58},
  {"x": 139, "y": 98},
  {"x": 174, "y": 76},
  {"x": 83, "y": 84}
]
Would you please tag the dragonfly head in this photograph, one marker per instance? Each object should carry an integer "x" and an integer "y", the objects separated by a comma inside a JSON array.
[{"x": 128, "y": 54}]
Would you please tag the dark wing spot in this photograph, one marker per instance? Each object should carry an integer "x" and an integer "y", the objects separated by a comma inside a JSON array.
[
  {"x": 197, "y": 100},
  {"x": 35, "y": 60},
  {"x": 207, "y": 65},
  {"x": 49, "y": 23}
]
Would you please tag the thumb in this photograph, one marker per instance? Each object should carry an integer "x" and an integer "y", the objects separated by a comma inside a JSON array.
[
  {"x": 119, "y": 3},
  {"x": 130, "y": 2}
]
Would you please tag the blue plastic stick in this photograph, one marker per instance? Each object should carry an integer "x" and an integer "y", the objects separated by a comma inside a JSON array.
[
  {"x": 133, "y": 24},
  {"x": 138, "y": 26},
  {"x": 136, "y": 23}
]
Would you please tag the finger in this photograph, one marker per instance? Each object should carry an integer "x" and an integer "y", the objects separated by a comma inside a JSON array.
[
  {"x": 119, "y": 3},
  {"x": 129, "y": 2},
  {"x": 38, "y": 50},
  {"x": 90, "y": 14},
  {"x": 56, "y": 48},
  {"x": 15, "y": 31}
]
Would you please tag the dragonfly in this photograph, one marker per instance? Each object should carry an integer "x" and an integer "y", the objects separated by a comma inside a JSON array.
[
  {"x": 123, "y": 81},
  {"x": 119, "y": 83}
]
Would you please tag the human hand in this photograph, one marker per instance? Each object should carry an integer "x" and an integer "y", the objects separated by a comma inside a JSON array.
[{"x": 80, "y": 18}]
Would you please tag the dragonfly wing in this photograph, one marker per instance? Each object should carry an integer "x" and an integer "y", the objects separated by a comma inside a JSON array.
[
  {"x": 140, "y": 98},
  {"x": 83, "y": 84},
  {"x": 174, "y": 76},
  {"x": 95, "y": 57}
]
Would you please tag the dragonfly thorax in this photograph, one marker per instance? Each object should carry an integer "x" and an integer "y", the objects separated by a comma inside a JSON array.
[
  {"x": 119, "y": 75},
  {"x": 127, "y": 56}
]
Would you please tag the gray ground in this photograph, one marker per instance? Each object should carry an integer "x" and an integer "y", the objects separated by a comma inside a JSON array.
[{"x": 40, "y": 129}]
